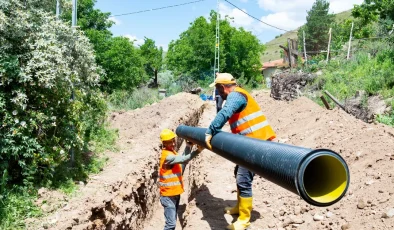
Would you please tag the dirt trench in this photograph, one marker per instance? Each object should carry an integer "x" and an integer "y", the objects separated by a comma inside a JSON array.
[{"x": 125, "y": 195}]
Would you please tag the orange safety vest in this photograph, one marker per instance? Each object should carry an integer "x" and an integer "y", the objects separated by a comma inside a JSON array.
[
  {"x": 251, "y": 121},
  {"x": 171, "y": 183}
]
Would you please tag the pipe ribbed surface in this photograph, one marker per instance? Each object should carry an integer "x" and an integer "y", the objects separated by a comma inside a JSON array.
[{"x": 321, "y": 177}]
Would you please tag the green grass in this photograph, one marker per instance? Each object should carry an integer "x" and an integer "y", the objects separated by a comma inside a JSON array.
[
  {"x": 125, "y": 100},
  {"x": 273, "y": 51},
  {"x": 16, "y": 205},
  {"x": 343, "y": 78},
  {"x": 340, "y": 17}
]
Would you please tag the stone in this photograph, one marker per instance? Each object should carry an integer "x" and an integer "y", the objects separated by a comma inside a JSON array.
[
  {"x": 361, "y": 204},
  {"x": 345, "y": 226},
  {"x": 329, "y": 214},
  {"x": 388, "y": 214},
  {"x": 288, "y": 221},
  {"x": 318, "y": 217},
  {"x": 272, "y": 225},
  {"x": 297, "y": 210},
  {"x": 370, "y": 182}
]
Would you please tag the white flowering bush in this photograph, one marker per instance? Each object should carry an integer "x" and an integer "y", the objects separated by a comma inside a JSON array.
[{"x": 49, "y": 98}]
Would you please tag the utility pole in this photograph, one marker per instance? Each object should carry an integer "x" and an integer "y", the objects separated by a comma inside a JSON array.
[
  {"x": 73, "y": 26},
  {"x": 329, "y": 43},
  {"x": 74, "y": 14},
  {"x": 58, "y": 9},
  {"x": 306, "y": 58},
  {"x": 350, "y": 42},
  {"x": 217, "y": 43}
]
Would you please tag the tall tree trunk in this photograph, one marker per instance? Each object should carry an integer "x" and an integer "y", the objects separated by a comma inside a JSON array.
[{"x": 155, "y": 81}]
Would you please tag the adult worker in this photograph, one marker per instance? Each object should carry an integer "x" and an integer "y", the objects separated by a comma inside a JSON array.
[
  {"x": 218, "y": 99},
  {"x": 245, "y": 118},
  {"x": 171, "y": 170}
]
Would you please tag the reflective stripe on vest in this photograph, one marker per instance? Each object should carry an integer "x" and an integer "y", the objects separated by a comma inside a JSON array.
[
  {"x": 168, "y": 176},
  {"x": 170, "y": 184},
  {"x": 246, "y": 119},
  {"x": 251, "y": 121},
  {"x": 254, "y": 128}
]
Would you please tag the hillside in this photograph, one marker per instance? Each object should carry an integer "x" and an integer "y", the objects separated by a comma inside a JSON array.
[{"x": 273, "y": 51}]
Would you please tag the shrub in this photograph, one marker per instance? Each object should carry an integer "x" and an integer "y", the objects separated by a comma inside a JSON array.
[{"x": 49, "y": 102}]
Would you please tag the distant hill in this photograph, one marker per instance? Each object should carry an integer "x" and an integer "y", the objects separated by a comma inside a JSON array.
[{"x": 273, "y": 51}]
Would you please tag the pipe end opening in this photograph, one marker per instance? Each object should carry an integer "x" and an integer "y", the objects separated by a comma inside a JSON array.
[{"x": 325, "y": 179}]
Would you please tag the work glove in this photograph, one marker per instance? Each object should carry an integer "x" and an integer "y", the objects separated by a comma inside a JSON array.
[{"x": 208, "y": 138}]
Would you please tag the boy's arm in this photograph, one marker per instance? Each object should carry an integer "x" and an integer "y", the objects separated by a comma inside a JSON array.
[{"x": 181, "y": 159}]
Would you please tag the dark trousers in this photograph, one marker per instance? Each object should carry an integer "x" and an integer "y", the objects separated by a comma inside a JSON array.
[
  {"x": 219, "y": 103},
  {"x": 244, "y": 179},
  {"x": 170, "y": 204}
]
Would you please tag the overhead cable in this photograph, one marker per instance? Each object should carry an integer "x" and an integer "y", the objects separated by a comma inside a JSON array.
[
  {"x": 257, "y": 18},
  {"x": 160, "y": 8}
]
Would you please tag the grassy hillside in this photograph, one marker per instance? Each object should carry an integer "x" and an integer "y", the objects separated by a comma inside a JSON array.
[{"x": 273, "y": 51}]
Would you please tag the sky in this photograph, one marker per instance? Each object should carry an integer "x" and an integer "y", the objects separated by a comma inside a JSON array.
[{"x": 166, "y": 25}]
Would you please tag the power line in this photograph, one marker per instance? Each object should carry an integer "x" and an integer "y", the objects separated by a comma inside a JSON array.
[
  {"x": 257, "y": 18},
  {"x": 160, "y": 8}
]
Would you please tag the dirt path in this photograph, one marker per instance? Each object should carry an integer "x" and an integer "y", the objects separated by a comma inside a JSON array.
[{"x": 125, "y": 194}]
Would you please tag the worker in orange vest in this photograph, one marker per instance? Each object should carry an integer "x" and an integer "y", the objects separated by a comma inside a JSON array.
[
  {"x": 171, "y": 170},
  {"x": 245, "y": 118}
]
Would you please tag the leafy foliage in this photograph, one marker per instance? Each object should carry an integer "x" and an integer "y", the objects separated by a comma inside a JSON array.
[
  {"x": 193, "y": 52},
  {"x": 49, "y": 100},
  {"x": 381, "y": 11},
  {"x": 118, "y": 57},
  {"x": 123, "y": 65},
  {"x": 372, "y": 74},
  {"x": 341, "y": 32},
  {"x": 373, "y": 10},
  {"x": 318, "y": 22},
  {"x": 153, "y": 58}
]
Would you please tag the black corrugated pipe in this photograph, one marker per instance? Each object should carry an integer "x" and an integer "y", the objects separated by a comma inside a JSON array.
[{"x": 321, "y": 176}]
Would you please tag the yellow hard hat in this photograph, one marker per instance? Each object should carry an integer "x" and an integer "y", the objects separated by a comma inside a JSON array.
[
  {"x": 167, "y": 135},
  {"x": 223, "y": 78}
]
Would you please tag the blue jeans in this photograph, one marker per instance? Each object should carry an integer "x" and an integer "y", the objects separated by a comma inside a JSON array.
[
  {"x": 244, "y": 181},
  {"x": 170, "y": 204}
]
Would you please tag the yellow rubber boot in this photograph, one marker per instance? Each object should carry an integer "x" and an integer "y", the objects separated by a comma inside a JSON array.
[
  {"x": 245, "y": 211},
  {"x": 233, "y": 210}
]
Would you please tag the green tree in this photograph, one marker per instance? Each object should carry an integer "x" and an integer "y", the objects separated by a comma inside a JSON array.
[
  {"x": 194, "y": 52},
  {"x": 42, "y": 63},
  {"x": 318, "y": 22},
  {"x": 341, "y": 32},
  {"x": 119, "y": 59},
  {"x": 152, "y": 58},
  {"x": 381, "y": 11},
  {"x": 373, "y": 10},
  {"x": 124, "y": 65}
]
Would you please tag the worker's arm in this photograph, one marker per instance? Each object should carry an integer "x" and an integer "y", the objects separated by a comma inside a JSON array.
[
  {"x": 182, "y": 159},
  {"x": 236, "y": 102}
]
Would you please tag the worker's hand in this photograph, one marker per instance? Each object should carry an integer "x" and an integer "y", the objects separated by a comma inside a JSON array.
[
  {"x": 208, "y": 138},
  {"x": 200, "y": 148}
]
